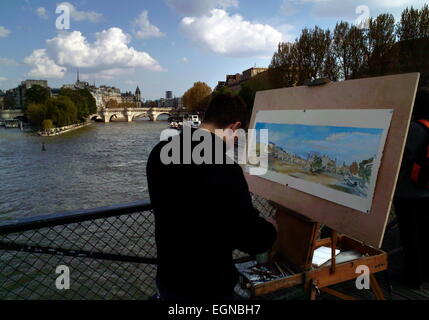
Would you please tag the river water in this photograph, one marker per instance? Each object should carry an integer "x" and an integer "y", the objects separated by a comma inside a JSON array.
[{"x": 99, "y": 165}]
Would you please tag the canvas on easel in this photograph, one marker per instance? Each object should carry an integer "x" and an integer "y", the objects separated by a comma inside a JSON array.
[{"x": 340, "y": 154}]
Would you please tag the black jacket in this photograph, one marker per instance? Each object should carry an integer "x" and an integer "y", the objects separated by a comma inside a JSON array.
[
  {"x": 202, "y": 213},
  {"x": 415, "y": 147}
]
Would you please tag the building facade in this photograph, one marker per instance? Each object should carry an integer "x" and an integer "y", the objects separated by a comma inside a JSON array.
[
  {"x": 15, "y": 98},
  {"x": 236, "y": 81}
]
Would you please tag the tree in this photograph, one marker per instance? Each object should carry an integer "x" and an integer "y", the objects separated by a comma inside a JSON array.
[
  {"x": 37, "y": 94},
  {"x": 311, "y": 50},
  {"x": 359, "y": 50},
  {"x": 83, "y": 100},
  {"x": 414, "y": 24},
  {"x": 381, "y": 38},
  {"x": 198, "y": 97},
  {"x": 47, "y": 124},
  {"x": 349, "y": 47},
  {"x": 354, "y": 168},
  {"x": 62, "y": 111},
  {"x": 36, "y": 113},
  {"x": 316, "y": 164},
  {"x": 408, "y": 27},
  {"x": 284, "y": 60},
  {"x": 90, "y": 101},
  {"x": 223, "y": 90},
  {"x": 248, "y": 95},
  {"x": 9, "y": 100}
]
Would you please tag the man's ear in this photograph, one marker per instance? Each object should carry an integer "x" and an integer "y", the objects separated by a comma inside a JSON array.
[{"x": 236, "y": 126}]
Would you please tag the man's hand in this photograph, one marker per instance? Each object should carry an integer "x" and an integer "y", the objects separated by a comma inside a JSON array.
[{"x": 273, "y": 222}]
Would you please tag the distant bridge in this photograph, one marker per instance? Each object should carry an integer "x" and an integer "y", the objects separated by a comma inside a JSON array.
[
  {"x": 129, "y": 114},
  {"x": 10, "y": 114}
]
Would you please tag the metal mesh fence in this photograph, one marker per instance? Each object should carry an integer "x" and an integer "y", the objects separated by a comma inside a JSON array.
[{"x": 110, "y": 254}]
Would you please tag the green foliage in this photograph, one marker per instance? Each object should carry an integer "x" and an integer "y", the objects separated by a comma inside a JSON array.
[
  {"x": 365, "y": 170},
  {"x": 83, "y": 100},
  {"x": 248, "y": 95},
  {"x": 36, "y": 113},
  {"x": 47, "y": 124},
  {"x": 37, "y": 94},
  {"x": 61, "y": 111},
  {"x": 351, "y": 52},
  {"x": 223, "y": 90},
  {"x": 414, "y": 24},
  {"x": 316, "y": 164},
  {"x": 9, "y": 101}
]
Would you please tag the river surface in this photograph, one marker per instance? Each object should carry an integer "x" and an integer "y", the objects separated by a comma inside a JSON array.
[{"x": 99, "y": 165}]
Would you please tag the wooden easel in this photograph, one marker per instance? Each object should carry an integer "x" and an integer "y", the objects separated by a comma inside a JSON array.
[
  {"x": 298, "y": 236},
  {"x": 297, "y": 240}
]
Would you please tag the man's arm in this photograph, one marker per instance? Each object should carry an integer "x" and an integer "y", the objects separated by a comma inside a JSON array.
[{"x": 251, "y": 233}]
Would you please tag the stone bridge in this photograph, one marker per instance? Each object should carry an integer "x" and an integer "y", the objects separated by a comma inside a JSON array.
[
  {"x": 132, "y": 113},
  {"x": 10, "y": 114}
]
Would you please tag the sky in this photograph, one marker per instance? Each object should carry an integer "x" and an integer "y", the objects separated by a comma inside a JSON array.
[
  {"x": 343, "y": 144},
  {"x": 159, "y": 45}
]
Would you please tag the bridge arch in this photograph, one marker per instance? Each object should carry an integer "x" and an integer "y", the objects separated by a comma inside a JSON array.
[
  {"x": 140, "y": 115},
  {"x": 160, "y": 114},
  {"x": 113, "y": 116}
]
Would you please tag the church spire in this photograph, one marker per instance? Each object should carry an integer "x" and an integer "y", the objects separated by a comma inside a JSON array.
[{"x": 78, "y": 76}]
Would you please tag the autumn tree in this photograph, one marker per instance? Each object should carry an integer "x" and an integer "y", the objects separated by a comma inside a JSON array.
[
  {"x": 197, "y": 98},
  {"x": 354, "y": 168}
]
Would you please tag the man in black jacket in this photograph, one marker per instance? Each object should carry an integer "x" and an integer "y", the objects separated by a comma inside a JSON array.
[
  {"x": 203, "y": 212},
  {"x": 411, "y": 201}
]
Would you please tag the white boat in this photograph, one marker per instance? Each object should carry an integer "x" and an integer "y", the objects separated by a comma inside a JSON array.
[{"x": 194, "y": 122}]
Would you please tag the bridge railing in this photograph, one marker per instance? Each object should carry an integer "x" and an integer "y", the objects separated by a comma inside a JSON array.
[{"x": 110, "y": 253}]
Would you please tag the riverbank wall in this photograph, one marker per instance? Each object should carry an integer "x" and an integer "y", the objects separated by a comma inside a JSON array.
[{"x": 59, "y": 131}]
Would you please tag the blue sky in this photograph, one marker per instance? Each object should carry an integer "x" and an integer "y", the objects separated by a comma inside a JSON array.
[
  {"x": 159, "y": 45},
  {"x": 343, "y": 144}
]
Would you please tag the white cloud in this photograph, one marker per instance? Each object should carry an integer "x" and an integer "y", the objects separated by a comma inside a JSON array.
[
  {"x": 200, "y": 7},
  {"x": 77, "y": 15},
  {"x": 185, "y": 60},
  {"x": 4, "y": 32},
  {"x": 109, "y": 55},
  {"x": 42, "y": 13},
  {"x": 43, "y": 66},
  {"x": 143, "y": 29},
  {"x": 3, "y": 79},
  {"x": 231, "y": 35}
]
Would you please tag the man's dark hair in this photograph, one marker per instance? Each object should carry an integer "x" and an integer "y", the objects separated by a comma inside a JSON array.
[
  {"x": 421, "y": 106},
  {"x": 225, "y": 109}
]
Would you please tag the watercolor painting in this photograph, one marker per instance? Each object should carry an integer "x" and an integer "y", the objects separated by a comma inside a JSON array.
[
  {"x": 340, "y": 158},
  {"x": 331, "y": 154}
]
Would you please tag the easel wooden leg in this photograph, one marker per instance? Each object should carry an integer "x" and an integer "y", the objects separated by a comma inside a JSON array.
[
  {"x": 338, "y": 294},
  {"x": 311, "y": 290},
  {"x": 379, "y": 295}
]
